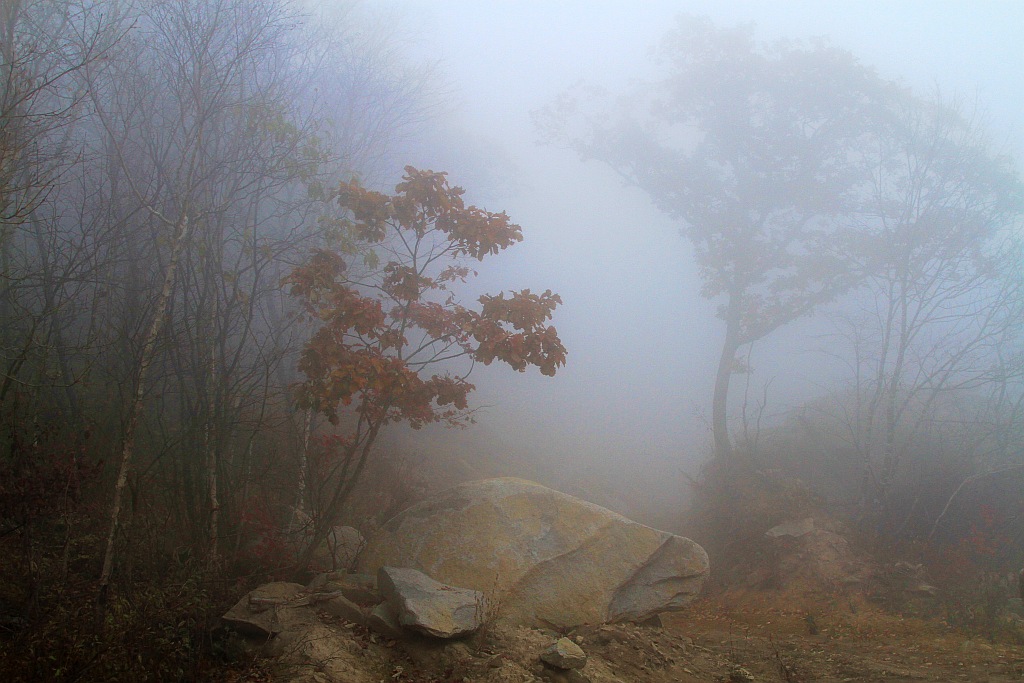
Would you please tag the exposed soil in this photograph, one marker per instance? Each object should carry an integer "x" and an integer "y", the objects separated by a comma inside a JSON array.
[
  {"x": 735, "y": 637},
  {"x": 787, "y": 637}
]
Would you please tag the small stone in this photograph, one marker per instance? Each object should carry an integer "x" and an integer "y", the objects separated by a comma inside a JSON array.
[
  {"x": 564, "y": 654},
  {"x": 740, "y": 675}
]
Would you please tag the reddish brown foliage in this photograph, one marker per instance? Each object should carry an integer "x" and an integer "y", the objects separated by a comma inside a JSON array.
[
  {"x": 393, "y": 343},
  {"x": 381, "y": 329}
]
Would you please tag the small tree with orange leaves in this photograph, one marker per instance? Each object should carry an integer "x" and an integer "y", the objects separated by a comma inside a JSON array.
[{"x": 391, "y": 336}]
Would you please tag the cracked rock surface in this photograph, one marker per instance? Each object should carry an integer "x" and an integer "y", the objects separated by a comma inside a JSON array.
[{"x": 542, "y": 558}]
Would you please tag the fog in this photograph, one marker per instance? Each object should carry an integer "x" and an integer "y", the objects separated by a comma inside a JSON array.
[
  {"x": 774, "y": 255},
  {"x": 632, "y": 406}
]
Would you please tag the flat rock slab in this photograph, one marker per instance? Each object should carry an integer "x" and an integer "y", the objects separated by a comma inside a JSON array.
[
  {"x": 258, "y": 614},
  {"x": 428, "y": 606},
  {"x": 542, "y": 558}
]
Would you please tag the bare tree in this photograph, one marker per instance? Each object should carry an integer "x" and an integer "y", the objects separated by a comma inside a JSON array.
[
  {"x": 44, "y": 48},
  {"x": 201, "y": 136},
  {"x": 942, "y": 301},
  {"x": 218, "y": 141}
]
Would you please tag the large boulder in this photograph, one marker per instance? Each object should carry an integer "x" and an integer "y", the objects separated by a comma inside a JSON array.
[{"x": 541, "y": 557}]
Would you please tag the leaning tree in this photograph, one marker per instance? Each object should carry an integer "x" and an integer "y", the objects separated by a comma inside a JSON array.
[{"x": 754, "y": 149}]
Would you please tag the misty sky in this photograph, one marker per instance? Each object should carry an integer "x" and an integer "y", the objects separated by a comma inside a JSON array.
[{"x": 643, "y": 345}]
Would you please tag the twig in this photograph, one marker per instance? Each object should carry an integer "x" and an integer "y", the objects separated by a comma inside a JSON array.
[{"x": 964, "y": 483}]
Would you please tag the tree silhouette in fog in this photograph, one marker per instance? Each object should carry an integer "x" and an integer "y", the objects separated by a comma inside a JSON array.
[{"x": 755, "y": 150}]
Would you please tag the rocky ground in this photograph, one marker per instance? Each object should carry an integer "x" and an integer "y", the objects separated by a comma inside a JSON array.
[
  {"x": 514, "y": 560},
  {"x": 509, "y": 561},
  {"x": 738, "y": 636}
]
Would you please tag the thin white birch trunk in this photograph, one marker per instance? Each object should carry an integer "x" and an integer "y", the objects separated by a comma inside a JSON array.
[
  {"x": 211, "y": 441},
  {"x": 135, "y": 410}
]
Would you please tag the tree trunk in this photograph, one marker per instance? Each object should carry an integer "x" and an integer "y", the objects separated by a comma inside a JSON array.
[
  {"x": 299, "y": 512},
  {"x": 720, "y": 403},
  {"x": 213, "y": 558},
  {"x": 135, "y": 411},
  {"x": 343, "y": 488}
]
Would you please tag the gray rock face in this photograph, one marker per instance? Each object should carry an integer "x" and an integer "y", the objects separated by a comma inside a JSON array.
[
  {"x": 564, "y": 654},
  {"x": 664, "y": 583},
  {"x": 543, "y": 558},
  {"x": 430, "y": 607}
]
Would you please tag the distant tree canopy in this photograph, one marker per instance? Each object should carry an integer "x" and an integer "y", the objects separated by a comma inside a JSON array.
[{"x": 775, "y": 159}]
